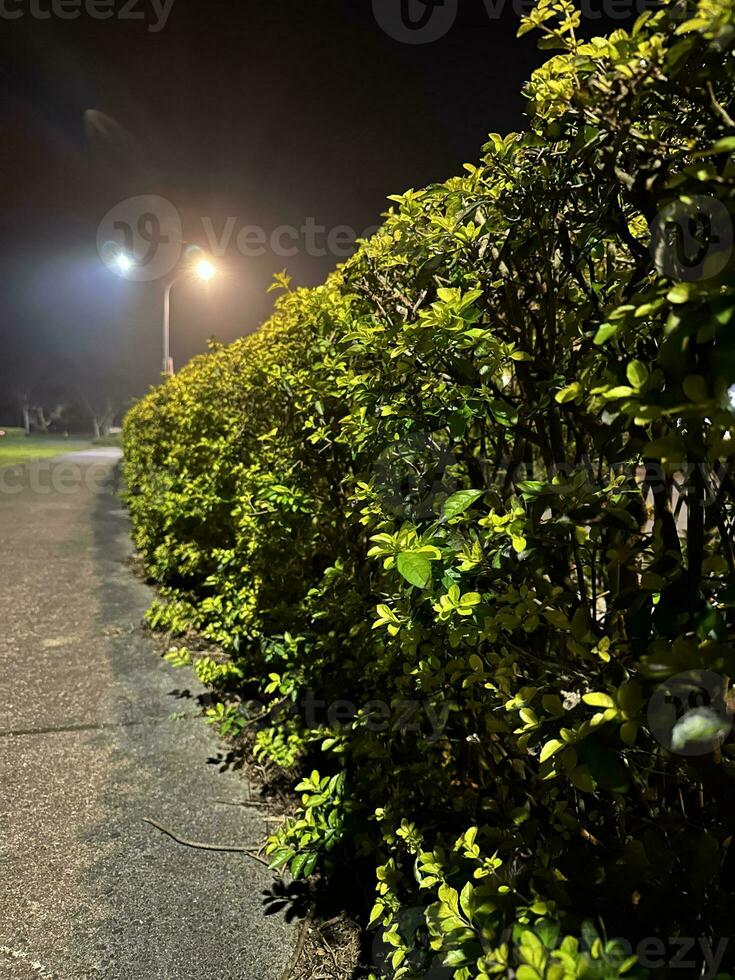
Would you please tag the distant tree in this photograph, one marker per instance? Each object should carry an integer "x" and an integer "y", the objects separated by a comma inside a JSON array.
[
  {"x": 42, "y": 394},
  {"x": 102, "y": 397},
  {"x": 23, "y": 401}
]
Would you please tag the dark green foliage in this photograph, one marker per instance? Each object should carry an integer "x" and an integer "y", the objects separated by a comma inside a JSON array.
[{"x": 430, "y": 509}]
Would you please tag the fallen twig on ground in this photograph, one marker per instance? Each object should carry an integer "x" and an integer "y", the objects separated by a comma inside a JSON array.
[
  {"x": 256, "y": 804},
  {"x": 250, "y": 850},
  {"x": 299, "y": 947}
]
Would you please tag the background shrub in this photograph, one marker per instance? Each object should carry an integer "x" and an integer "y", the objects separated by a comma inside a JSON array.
[{"x": 462, "y": 517}]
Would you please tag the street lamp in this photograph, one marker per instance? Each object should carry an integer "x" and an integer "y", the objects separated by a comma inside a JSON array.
[
  {"x": 203, "y": 269},
  {"x": 124, "y": 263}
]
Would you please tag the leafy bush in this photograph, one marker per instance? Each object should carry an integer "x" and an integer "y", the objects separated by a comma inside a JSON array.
[{"x": 462, "y": 518}]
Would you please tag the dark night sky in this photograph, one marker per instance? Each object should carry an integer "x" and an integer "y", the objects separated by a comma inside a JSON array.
[{"x": 270, "y": 112}]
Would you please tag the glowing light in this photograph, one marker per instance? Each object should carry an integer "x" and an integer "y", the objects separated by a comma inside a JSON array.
[
  {"x": 205, "y": 270},
  {"x": 731, "y": 396},
  {"x": 124, "y": 263}
]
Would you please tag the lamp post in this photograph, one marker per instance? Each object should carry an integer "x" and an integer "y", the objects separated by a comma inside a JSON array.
[
  {"x": 203, "y": 270},
  {"x": 168, "y": 363}
]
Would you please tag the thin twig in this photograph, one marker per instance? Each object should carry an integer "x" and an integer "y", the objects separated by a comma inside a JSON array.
[
  {"x": 299, "y": 947},
  {"x": 331, "y": 953},
  {"x": 247, "y": 803},
  {"x": 207, "y": 847},
  {"x": 719, "y": 109}
]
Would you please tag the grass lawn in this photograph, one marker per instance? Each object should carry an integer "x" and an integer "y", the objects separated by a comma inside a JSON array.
[{"x": 16, "y": 449}]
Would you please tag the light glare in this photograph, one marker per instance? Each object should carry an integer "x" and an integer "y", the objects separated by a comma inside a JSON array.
[
  {"x": 124, "y": 262},
  {"x": 205, "y": 270}
]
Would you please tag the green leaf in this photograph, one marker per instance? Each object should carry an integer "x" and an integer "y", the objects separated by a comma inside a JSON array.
[
  {"x": 502, "y": 412},
  {"x": 618, "y": 391},
  {"x": 550, "y": 749},
  {"x": 724, "y": 145},
  {"x": 598, "y": 700},
  {"x": 280, "y": 858},
  {"x": 682, "y": 292},
  {"x": 605, "y": 332},
  {"x": 532, "y": 488},
  {"x": 457, "y": 958},
  {"x": 466, "y": 899},
  {"x": 377, "y": 911},
  {"x": 526, "y": 972},
  {"x": 457, "y": 424},
  {"x": 569, "y": 393},
  {"x": 629, "y": 732},
  {"x": 415, "y": 568},
  {"x": 582, "y": 779},
  {"x": 449, "y": 897},
  {"x": 298, "y": 865},
  {"x": 548, "y": 932},
  {"x": 460, "y": 501},
  {"x": 695, "y": 388},
  {"x": 637, "y": 373},
  {"x": 309, "y": 864}
]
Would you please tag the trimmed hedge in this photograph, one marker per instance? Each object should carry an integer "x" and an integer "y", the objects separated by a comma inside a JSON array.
[{"x": 430, "y": 511}]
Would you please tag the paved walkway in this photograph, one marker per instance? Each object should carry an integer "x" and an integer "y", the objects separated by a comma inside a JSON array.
[{"x": 88, "y": 747}]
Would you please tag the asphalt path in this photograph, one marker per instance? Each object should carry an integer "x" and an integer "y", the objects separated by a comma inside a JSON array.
[{"x": 96, "y": 733}]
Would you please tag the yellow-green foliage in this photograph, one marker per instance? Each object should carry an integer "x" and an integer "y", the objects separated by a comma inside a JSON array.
[{"x": 439, "y": 490}]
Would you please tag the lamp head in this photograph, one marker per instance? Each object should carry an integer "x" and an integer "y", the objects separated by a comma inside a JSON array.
[
  {"x": 124, "y": 263},
  {"x": 205, "y": 270}
]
